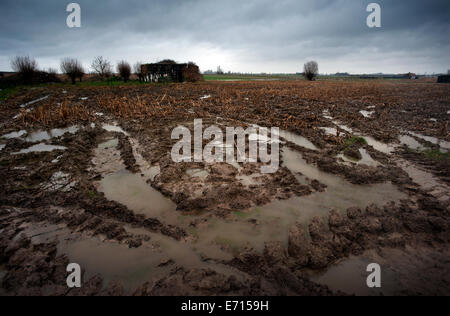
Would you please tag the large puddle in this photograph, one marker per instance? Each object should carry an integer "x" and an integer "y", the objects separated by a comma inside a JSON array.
[
  {"x": 117, "y": 262},
  {"x": 254, "y": 227},
  {"x": 413, "y": 270}
]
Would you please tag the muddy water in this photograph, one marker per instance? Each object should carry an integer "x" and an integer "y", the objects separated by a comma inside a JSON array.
[
  {"x": 297, "y": 139},
  {"x": 117, "y": 262},
  {"x": 442, "y": 143},
  {"x": 40, "y": 148},
  {"x": 426, "y": 180},
  {"x": 381, "y": 147},
  {"x": 411, "y": 142},
  {"x": 15, "y": 134},
  {"x": 132, "y": 191},
  {"x": 47, "y": 135},
  {"x": 340, "y": 194},
  {"x": 218, "y": 238},
  {"x": 411, "y": 269}
]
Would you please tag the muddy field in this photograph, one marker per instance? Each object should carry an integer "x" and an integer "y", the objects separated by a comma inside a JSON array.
[{"x": 87, "y": 178}]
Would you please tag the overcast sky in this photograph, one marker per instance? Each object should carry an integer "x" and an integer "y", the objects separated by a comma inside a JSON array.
[{"x": 271, "y": 36}]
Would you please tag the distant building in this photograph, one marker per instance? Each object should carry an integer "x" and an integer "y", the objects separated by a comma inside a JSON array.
[
  {"x": 410, "y": 75},
  {"x": 170, "y": 72}
]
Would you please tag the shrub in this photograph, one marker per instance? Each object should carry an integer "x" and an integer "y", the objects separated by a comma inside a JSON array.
[
  {"x": 25, "y": 66},
  {"x": 311, "y": 70},
  {"x": 72, "y": 68},
  {"x": 124, "y": 70}
]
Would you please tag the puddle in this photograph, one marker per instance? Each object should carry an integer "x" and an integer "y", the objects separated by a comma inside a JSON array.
[
  {"x": 426, "y": 180},
  {"x": 366, "y": 159},
  {"x": 132, "y": 191},
  {"x": 205, "y": 97},
  {"x": 54, "y": 133},
  {"x": 40, "y": 148},
  {"x": 403, "y": 272},
  {"x": 2, "y": 146},
  {"x": 117, "y": 262},
  {"x": 411, "y": 143},
  {"x": 367, "y": 114},
  {"x": 297, "y": 139},
  {"x": 198, "y": 173},
  {"x": 276, "y": 218},
  {"x": 350, "y": 276},
  {"x": 381, "y": 147},
  {"x": 340, "y": 194},
  {"x": 442, "y": 143},
  {"x": 15, "y": 134},
  {"x": 114, "y": 128},
  {"x": 33, "y": 102}
]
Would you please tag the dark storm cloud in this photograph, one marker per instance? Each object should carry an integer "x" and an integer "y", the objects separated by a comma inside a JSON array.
[{"x": 251, "y": 35}]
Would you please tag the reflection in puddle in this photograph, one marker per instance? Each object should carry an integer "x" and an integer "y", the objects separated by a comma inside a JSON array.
[
  {"x": 2, "y": 146},
  {"x": 40, "y": 148},
  {"x": 297, "y": 139},
  {"x": 15, "y": 135},
  {"x": 381, "y": 147},
  {"x": 54, "y": 133},
  {"x": 350, "y": 276},
  {"x": 442, "y": 143},
  {"x": 426, "y": 180},
  {"x": 132, "y": 191},
  {"x": 411, "y": 142},
  {"x": 408, "y": 271}
]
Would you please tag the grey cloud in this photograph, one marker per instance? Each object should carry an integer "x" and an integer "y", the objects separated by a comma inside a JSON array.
[{"x": 252, "y": 35}]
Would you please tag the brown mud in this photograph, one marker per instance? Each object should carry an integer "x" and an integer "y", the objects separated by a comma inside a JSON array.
[{"x": 87, "y": 177}]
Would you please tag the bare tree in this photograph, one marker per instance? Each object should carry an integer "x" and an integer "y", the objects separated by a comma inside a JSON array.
[
  {"x": 102, "y": 67},
  {"x": 311, "y": 70},
  {"x": 137, "y": 68},
  {"x": 25, "y": 66},
  {"x": 124, "y": 69},
  {"x": 72, "y": 68}
]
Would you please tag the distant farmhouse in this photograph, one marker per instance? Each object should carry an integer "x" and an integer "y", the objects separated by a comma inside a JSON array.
[{"x": 170, "y": 71}]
